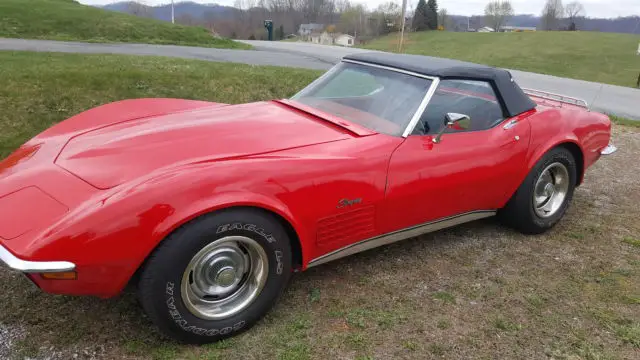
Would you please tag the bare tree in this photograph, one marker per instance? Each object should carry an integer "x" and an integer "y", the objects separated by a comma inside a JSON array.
[
  {"x": 443, "y": 19},
  {"x": 573, "y": 11},
  {"x": 497, "y": 13},
  {"x": 552, "y": 15}
]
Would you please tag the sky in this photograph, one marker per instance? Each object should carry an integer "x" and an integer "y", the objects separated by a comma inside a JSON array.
[{"x": 593, "y": 8}]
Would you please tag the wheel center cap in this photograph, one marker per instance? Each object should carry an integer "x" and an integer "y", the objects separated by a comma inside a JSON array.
[
  {"x": 226, "y": 277},
  {"x": 549, "y": 190}
]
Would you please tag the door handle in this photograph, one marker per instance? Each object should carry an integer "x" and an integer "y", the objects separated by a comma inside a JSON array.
[{"x": 510, "y": 124}]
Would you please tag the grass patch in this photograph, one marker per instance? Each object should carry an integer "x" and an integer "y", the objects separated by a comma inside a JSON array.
[
  {"x": 314, "y": 295},
  {"x": 68, "y": 20},
  {"x": 443, "y": 324},
  {"x": 593, "y": 56},
  {"x": 623, "y": 121},
  {"x": 40, "y": 89},
  {"x": 632, "y": 241},
  {"x": 445, "y": 297},
  {"x": 503, "y": 324}
]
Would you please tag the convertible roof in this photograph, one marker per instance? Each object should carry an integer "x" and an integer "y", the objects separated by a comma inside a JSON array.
[{"x": 514, "y": 99}]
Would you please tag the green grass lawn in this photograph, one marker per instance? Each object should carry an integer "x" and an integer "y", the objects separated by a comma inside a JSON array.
[
  {"x": 39, "y": 89},
  {"x": 601, "y": 57},
  {"x": 68, "y": 20},
  {"x": 478, "y": 291}
]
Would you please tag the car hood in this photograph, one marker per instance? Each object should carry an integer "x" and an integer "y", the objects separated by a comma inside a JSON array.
[{"x": 114, "y": 154}]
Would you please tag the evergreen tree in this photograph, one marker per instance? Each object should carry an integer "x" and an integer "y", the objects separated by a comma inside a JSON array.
[
  {"x": 432, "y": 14},
  {"x": 420, "y": 21}
]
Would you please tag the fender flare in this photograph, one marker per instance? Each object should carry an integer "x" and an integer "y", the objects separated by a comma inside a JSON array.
[
  {"x": 571, "y": 141},
  {"x": 224, "y": 201}
]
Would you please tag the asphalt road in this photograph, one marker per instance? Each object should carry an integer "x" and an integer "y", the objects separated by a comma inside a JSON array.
[{"x": 612, "y": 99}]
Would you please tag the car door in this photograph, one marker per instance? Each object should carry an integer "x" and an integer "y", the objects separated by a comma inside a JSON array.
[{"x": 466, "y": 171}]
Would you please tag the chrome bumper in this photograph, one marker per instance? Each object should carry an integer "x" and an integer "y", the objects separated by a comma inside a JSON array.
[
  {"x": 610, "y": 149},
  {"x": 33, "y": 266}
]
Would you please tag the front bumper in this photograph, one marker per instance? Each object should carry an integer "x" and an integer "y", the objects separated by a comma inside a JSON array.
[{"x": 24, "y": 266}]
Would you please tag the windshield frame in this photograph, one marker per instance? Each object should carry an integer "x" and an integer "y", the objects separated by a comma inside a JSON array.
[{"x": 435, "y": 81}]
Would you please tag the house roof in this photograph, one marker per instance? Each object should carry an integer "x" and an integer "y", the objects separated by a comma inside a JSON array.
[
  {"x": 312, "y": 27},
  {"x": 513, "y": 98},
  {"x": 508, "y": 27}
]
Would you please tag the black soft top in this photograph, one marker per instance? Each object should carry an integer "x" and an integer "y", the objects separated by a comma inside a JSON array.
[{"x": 513, "y": 98}]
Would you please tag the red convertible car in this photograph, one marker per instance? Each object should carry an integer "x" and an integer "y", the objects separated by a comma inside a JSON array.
[{"x": 208, "y": 208}]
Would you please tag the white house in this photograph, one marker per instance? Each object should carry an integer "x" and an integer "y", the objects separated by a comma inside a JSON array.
[
  {"x": 344, "y": 40},
  {"x": 517, "y": 28},
  {"x": 486, "y": 29},
  {"x": 323, "y": 38},
  {"x": 326, "y": 38},
  {"x": 307, "y": 29}
]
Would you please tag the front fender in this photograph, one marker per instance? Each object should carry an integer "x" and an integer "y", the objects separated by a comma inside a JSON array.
[{"x": 109, "y": 237}]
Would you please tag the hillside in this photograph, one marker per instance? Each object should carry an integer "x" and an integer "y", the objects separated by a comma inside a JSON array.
[
  {"x": 68, "y": 20},
  {"x": 600, "y": 57},
  {"x": 181, "y": 8}
]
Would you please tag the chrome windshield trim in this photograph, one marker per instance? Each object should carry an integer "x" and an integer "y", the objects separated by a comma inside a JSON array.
[
  {"x": 390, "y": 68},
  {"x": 18, "y": 264},
  {"x": 423, "y": 106},
  {"x": 315, "y": 82},
  {"x": 399, "y": 235}
]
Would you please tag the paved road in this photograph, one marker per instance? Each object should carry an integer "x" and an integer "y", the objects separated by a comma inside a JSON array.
[
  {"x": 220, "y": 55},
  {"x": 617, "y": 100}
]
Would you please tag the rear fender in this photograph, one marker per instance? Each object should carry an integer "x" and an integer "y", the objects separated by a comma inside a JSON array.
[
  {"x": 554, "y": 127},
  {"x": 571, "y": 142}
]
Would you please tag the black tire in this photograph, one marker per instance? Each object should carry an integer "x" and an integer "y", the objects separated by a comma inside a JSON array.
[
  {"x": 159, "y": 288},
  {"x": 520, "y": 212}
]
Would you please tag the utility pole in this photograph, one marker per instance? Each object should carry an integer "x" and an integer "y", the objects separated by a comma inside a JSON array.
[
  {"x": 173, "y": 20},
  {"x": 404, "y": 17}
]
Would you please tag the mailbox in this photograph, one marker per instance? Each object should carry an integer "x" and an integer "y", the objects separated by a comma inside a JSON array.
[{"x": 269, "y": 25}]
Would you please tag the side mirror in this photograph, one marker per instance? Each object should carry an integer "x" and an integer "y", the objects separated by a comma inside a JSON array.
[{"x": 453, "y": 121}]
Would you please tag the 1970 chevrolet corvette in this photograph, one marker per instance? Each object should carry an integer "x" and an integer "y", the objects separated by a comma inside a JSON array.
[{"x": 208, "y": 208}]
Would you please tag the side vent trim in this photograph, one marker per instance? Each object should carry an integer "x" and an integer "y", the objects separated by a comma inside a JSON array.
[{"x": 401, "y": 235}]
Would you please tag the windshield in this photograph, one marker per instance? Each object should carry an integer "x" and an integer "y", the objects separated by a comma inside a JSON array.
[{"x": 378, "y": 99}]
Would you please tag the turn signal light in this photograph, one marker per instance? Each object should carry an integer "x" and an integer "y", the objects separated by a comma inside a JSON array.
[{"x": 69, "y": 275}]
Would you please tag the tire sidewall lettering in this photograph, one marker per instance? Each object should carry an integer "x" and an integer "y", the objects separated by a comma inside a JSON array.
[
  {"x": 184, "y": 324},
  {"x": 247, "y": 227}
]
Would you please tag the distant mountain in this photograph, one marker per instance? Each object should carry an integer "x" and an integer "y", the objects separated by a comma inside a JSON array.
[
  {"x": 163, "y": 12},
  {"x": 629, "y": 24}
]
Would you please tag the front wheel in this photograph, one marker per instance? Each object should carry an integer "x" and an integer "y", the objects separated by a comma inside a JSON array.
[
  {"x": 216, "y": 276},
  {"x": 544, "y": 196}
]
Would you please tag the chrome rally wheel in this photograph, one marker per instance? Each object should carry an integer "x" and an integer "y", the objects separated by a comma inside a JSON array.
[
  {"x": 551, "y": 190},
  {"x": 224, "y": 277}
]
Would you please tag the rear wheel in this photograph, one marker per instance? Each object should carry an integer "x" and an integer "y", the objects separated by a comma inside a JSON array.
[
  {"x": 545, "y": 195},
  {"x": 216, "y": 276}
]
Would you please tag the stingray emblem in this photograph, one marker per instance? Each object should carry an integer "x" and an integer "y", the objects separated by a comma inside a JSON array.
[{"x": 348, "y": 202}]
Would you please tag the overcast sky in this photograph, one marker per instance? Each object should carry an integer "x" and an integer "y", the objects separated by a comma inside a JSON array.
[{"x": 594, "y": 8}]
